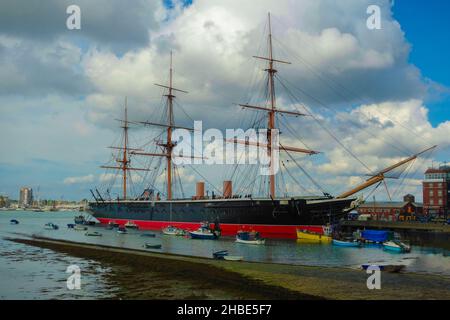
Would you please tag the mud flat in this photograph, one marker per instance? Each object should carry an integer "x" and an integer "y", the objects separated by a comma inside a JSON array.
[{"x": 139, "y": 274}]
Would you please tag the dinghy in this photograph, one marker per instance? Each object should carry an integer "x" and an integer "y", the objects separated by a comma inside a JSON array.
[
  {"x": 51, "y": 226},
  {"x": 396, "y": 246},
  {"x": 233, "y": 258},
  {"x": 312, "y": 236},
  {"x": 252, "y": 238},
  {"x": 348, "y": 244},
  {"x": 14, "y": 221},
  {"x": 173, "y": 231},
  {"x": 131, "y": 225},
  {"x": 122, "y": 230},
  {"x": 93, "y": 234},
  {"x": 152, "y": 246}
]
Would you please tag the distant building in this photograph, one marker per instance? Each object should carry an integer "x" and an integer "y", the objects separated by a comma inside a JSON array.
[
  {"x": 405, "y": 210},
  {"x": 436, "y": 191},
  {"x": 4, "y": 202},
  {"x": 26, "y": 197}
]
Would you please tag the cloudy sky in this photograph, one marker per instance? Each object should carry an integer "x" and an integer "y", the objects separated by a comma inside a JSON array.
[{"x": 377, "y": 94}]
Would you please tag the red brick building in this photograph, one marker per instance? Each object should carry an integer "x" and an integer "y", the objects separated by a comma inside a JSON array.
[
  {"x": 436, "y": 189},
  {"x": 406, "y": 210}
]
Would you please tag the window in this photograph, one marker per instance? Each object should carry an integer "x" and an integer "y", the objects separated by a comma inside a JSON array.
[
  {"x": 440, "y": 202},
  {"x": 440, "y": 193},
  {"x": 431, "y": 193}
]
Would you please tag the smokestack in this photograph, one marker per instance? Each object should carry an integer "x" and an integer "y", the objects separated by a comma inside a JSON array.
[
  {"x": 227, "y": 189},
  {"x": 200, "y": 190}
]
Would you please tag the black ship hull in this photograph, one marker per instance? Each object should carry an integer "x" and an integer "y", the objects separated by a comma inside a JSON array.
[{"x": 272, "y": 218}]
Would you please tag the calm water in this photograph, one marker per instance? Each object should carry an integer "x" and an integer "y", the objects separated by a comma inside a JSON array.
[{"x": 31, "y": 273}]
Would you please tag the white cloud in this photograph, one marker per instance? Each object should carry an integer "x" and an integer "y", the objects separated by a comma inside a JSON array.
[{"x": 77, "y": 180}]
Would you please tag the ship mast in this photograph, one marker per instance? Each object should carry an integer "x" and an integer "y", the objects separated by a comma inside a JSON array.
[
  {"x": 124, "y": 161},
  {"x": 271, "y": 125},
  {"x": 168, "y": 145},
  {"x": 272, "y": 110}
]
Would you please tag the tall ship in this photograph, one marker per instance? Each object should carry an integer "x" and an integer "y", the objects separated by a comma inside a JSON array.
[{"x": 271, "y": 212}]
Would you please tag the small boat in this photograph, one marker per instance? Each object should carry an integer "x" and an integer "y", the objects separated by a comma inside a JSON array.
[
  {"x": 386, "y": 268},
  {"x": 349, "y": 244},
  {"x": 219, "y": 255},
  {"x": 51, "y": 226},
  {"x": 70, "y": 225},
  {"x": 111, "y": 225},
  {"x": 93, "y": 234},
  {"x": 89, "y": 223},
  {"x": 233, "y": 258},
  {"x": 131, "y": 225},
  {"x": 204, "y": 233},
  {"x": 173, "y": 231},
  {"x": 312, "y": 236},
  {"x": 396, "y": 246},
  {"x": 14, "y": 221},
  {"x": 148, "y": 235},
  {"x": 152, "y": 246},
  {"x": 122, "y": 230},
  {"x": 79, "y": 219},
  {"x": 246, "y": 237},
  {"x": 80, "y": 227}
]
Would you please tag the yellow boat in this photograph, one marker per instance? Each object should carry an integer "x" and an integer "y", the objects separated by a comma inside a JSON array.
[{"x": 312, "y": 236}]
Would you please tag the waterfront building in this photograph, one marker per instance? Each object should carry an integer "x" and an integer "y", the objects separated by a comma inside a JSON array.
[
  {"x": 436, "y": 191},
  {"x": 4, "y": 202},
  {"x": 26, "y": 197},
  {"x": 406, "y": 210}
]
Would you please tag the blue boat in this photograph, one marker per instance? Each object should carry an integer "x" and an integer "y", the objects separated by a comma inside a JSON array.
[
  {"x": 14, "y": 221},
  {"x": 70, "y": 225},
  {"x": 203, "y": 233},
  {"x": 378, "y": 236},
  {"x": 220, "y": 255},
  {"x": 348, "y": 244}
]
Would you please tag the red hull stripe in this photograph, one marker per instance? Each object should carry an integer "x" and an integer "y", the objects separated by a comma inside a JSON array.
[{"x": 266, "y": 231}]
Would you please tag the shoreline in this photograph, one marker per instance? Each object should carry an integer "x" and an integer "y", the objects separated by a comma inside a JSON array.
[{"x": 178, "y": 276}]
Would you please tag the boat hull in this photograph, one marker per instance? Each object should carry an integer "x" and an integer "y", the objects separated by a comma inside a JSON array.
[
  {"x": 272, "y": 219},
  {"x": 301, "y": 235}
]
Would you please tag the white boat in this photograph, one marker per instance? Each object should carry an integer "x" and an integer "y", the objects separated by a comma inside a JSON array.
[
  {"x": 233, "y": 258},
  {"x": 173, "y": 231},
  {"x": 252, "y": 238},
  {"x": 80, "y": 227},
  {"x": 396, "y": 246},
  {"x": 131, "y": 225}
]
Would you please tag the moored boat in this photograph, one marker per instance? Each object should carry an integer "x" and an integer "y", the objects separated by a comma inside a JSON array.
[
  {"x": 219, "y": 255},
  {"x": 152, "y": 246},
  {"x": 233, "y": 258},
  {"x": 349, "y": 244},
  {"x": 93, "y": 234},
  {"x": 173, "y": 231},
  {"x": 14, "y": 221},
  {"x": 80, "y": 227},
  {"x": 204, "y": 233},
  {"x": 252, "y": 238},
  {"x": 386, "y": 268},
  {"x": 70, "y": 225},
  {"x": 51, "y": 226},
  {"x": 131, "y": 225},
  {"x": 312, "y": 236},
  {"x": 396, "y": 246},
  {"x": 122, "y": 230}
]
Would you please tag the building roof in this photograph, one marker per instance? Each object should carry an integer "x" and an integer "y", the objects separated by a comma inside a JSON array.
[
  {"x": 442, "y": 169},
  {"x": 390, "y": 204}
]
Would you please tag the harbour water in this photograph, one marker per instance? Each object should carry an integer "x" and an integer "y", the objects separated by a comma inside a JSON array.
[{"x": 28, "y": 272}]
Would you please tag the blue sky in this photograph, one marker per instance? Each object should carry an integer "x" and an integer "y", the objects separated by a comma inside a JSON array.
[{"x": 427, "y": 28}]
